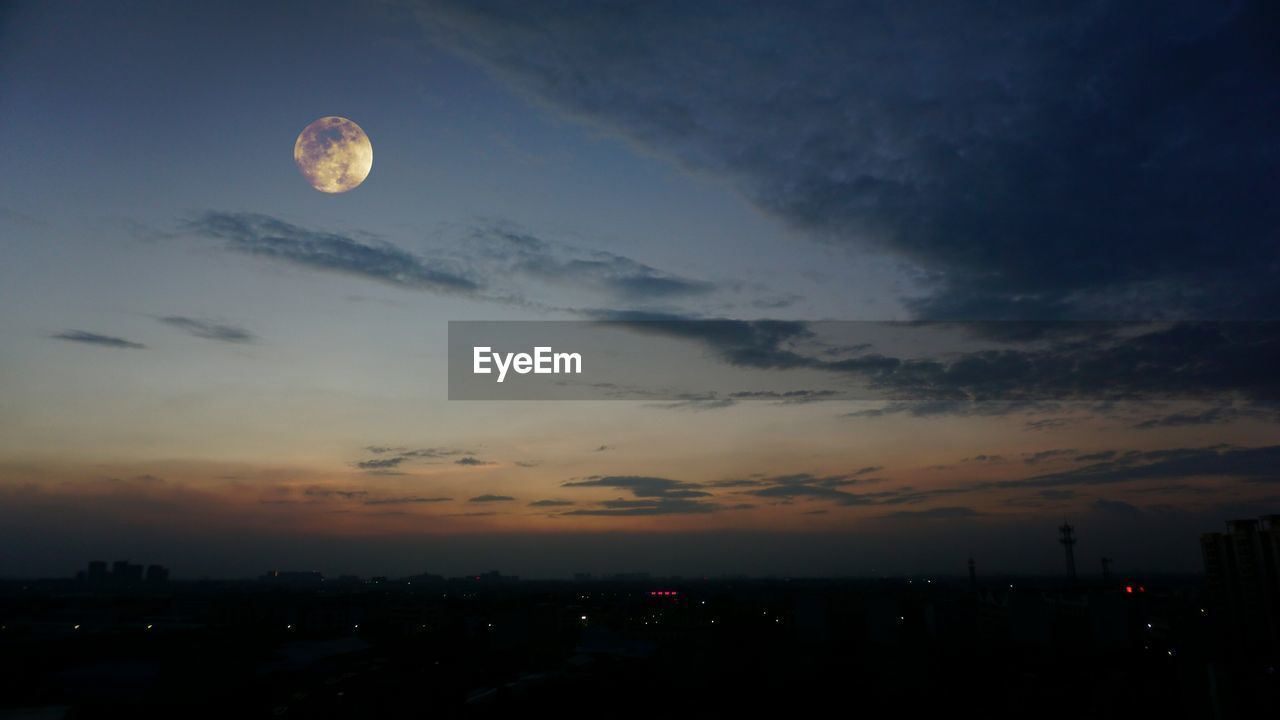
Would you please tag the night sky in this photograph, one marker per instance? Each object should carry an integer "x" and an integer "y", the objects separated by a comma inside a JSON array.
[{"x": 207, "y": 363}]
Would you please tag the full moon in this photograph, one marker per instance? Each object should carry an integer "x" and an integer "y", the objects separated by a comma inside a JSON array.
[{"x": 333, "y": 154}]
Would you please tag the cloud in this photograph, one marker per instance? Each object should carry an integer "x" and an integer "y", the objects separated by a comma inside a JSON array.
[
  {"x": 88, "y": 338},
  {"x": 1249, "y": 463},
  {"x": 1038, "y": 457},
  {"x": 397, "y": 456},
  {"x": 984, "y": 368},
  {"x": 410, "y": 500},
  {"x": 1207, "y": 417},
  {"x": 490, "y": 498},
  {"x": 787, "y": 397},
  {"x": 832, "y": 488},
  {"x": 697, "y": 402},
  {"x": 642, "y": 486},
  {"x": 265, "y": 236},
  {"x": 330, "y": 492},
  {"x": 515, "y": 252},
  {"x": 634, "y": 508},
  {"x": 380, "y": 463},
  {"x": 652, "y": 496},
  {"x": 1109, "y": 161},
  {"x": 551, "y": 503},
  {"x": 985, "y": 459},
  {"x": 209, "y": 330},
  {"x": 471, "y": 461}
]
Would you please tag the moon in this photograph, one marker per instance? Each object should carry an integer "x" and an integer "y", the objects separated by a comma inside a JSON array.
[{"x": 333, "y": 154}]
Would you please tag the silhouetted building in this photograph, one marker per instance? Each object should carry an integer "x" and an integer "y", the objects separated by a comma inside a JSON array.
[
  {"x": 493, "y": 576},
  {"x": 123, "y": 571},
  {"x": 1067, "y": 536},
  {"x": 1242, "y": 569},
  {"x": 293, "y": 578}
]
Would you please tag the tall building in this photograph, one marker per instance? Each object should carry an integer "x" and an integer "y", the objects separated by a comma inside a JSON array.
[
  {"x": 1242, "y": 569},
  {"x": 123, "y": 571},
  {"x": 1067, "y": 536}
]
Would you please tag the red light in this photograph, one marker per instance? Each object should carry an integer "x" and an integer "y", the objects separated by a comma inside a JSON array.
[
  {"x": 1128, "y": 588},
  {"x": 1141, "y": 589}
]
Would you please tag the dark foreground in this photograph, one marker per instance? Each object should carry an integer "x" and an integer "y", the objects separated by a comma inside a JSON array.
[{"x": 484, "y": 647}]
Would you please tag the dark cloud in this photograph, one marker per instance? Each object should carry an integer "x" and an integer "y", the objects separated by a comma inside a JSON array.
[
  {"x": 209, "y": 330},
  {"x": 697, "y": 402},
  {"x": 634, "y": 508},
  {"x": 265, "y": 236},
  {"x": 942, "y": 371},
  {"x": 787, "y": 397},
  {"x": 620, "y": 277},
  {"x": 552, "y": 503},
  {"x": 397, "y": 456},
  {"x": 88, "y": 338},
  {"x": 434, "y": 453},
  {"x": 1247, "y": 463},
  {"x": 652, "y": 496},
  {"x": 1108, "y": 159},
  {"x": 381, "y": 463},
  {"x": 642, "y": 486},
  {"x": 1207, "y": 417},
  {"x": 1096, "y": 457},
  {"x": 410, "y": 500},
  {"x": 1036, "y": 458},
  {"x": 985, "y": 459},
  {"x": 490, "y": 498},
  {"x": 472, "y": 461},
  {"x": 832, "y": 488},
  {"x": 329, "y": 492}
]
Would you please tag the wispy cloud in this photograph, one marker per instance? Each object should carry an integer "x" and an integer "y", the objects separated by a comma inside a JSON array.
[
  {"x": 490, "y": 498},
  {"x": 642, "y": 486},
  {"x": 89, "y": 338},
  {"x": 269, "y": 237},
  {"x": 410, "y": 500},
  {"x": 208, "y": 329},
  {"x": 472, "y": 461}
]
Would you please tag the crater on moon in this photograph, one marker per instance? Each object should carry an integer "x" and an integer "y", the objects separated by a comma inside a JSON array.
[{"x": 333, "y": 154}]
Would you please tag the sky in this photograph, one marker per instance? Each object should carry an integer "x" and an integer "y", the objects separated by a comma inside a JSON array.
[{"x": 208, "y": 364}]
